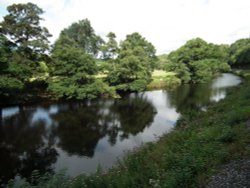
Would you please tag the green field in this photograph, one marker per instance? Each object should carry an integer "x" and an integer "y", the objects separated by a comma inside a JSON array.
[{"x": 162, "y": 79}]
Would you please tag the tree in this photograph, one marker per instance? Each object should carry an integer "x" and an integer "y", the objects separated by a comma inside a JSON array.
[
  {"x": 23, "y": 43},
  {"x": 70, "y": 60},
  {"x": 198, "y": 61},
  {"x": 5, "y": 53},
  {"x": 182, "y": 71},
  {"x": 11, "y": 75},
  {"x": 110, "y": 49},
  {"x": 195, "y": 50},
  {"x": 84, "y": 36},
  {"x": 72, "y": 66},
  {"x": 239, "y": 52},
  {"x": 73, "y": 72},
  {"x": 135, "y": 63},
  {"x": 22, "y": 27}
]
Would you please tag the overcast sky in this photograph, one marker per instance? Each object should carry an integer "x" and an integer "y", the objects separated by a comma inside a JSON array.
[{"x": 167, "y": 24}]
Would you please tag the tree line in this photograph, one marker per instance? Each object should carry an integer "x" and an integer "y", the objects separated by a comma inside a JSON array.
[{"x": 81, "y": 64}]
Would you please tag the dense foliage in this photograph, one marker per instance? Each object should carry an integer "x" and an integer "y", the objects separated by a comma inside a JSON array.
[
  {"x": 21, "y": 27},
  {"x": 73, "y": 72},
  {"x": 110, "y": 48},
  {"x": 83, "y": 34},
  {"x": 240, "y": 53},
  {"x": 23, "y": 44},
  {"x": 135, "y": 64},
  {"x": 198, "y": 61},
  {"x": 8, "y": 81},
  {"x": 82, "y": 65}
]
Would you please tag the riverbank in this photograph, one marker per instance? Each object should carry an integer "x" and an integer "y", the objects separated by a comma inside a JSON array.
[
  {"x": 201, "y": 142},
  {"x": 32, "y": 95}
]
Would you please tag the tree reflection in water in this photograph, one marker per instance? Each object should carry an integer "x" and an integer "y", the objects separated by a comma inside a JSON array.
[
  {"x": 81, "y": 126},
  {"x": 28, "y": 142},
  {"x": 188, "y": 97},
  {"x": 24, "y": 147},
  {"x": 134, "y": 114}
]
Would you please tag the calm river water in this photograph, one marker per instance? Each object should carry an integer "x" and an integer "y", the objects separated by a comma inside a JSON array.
[{"x": 79, "y": 136}]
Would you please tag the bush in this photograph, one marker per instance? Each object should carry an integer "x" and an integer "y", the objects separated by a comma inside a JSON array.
[
  {"x": 204, "y": 70},
  {"x": 10, "y": 86},
  {"x": 138, "y": 85},
  {"x": 65, "y": 88}
]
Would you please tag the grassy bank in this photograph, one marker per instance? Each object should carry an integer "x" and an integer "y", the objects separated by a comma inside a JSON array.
[{"x": 186, "y": 157}]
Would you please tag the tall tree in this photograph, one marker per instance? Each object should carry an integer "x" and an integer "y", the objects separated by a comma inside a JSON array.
[
  {"x": 136, "y": 62},
  {"x": 195, "y": 50},
  {"x": 198, "y": 61},
  {"x": 84, "y": 35},
  {"x": 73, "y": 71},
  {"x": 23, "y": 43},
  {"x": 22, "y": 27},
  {"x": 240, "y": 52},
  {"x": 72, "y": 67},
  {"x": 110, "y": 49}
]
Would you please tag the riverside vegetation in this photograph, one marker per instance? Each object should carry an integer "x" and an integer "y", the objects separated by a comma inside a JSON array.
[{"x": 82, "y": 65}]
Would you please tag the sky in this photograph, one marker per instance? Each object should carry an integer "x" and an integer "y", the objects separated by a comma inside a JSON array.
[{"x": 167, "y": 24}]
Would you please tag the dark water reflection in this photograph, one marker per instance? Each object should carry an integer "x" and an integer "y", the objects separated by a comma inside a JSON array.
[
  {"x": 79, "y": 136},
  {"x": 189, "y": 97}
]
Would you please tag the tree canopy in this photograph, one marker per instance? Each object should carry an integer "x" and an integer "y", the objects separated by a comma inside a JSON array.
[
  {"x": 84, "y": 36},
  {"x": 135, "y": 63},
  {"x": 23, "y": 44},
  {"x": 240, "y": 52},
  {"x": 73, "y": 72},
  {"x": 198, "y": 61},
  {"x": 22, "y": 27},
  {"x": 110, "y": 48}
]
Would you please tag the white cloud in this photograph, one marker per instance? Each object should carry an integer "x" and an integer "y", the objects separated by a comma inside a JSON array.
[{"x": 165, "y": 23}]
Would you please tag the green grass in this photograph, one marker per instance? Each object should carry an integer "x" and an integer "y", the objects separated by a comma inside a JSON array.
[
  {"x": 101, "y": 75},
  {"x": 161, "y": 74},
  {"x": 156, "y": 74},
  {"x": 185, "y": 157},
  {"x": 162, "y": 79}
]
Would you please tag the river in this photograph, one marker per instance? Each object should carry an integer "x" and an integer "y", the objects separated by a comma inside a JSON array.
[{"x": 80, "y": 136}]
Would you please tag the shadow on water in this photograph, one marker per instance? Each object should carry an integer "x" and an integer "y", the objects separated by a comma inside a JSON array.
[{"x": 80, "y": 135}]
